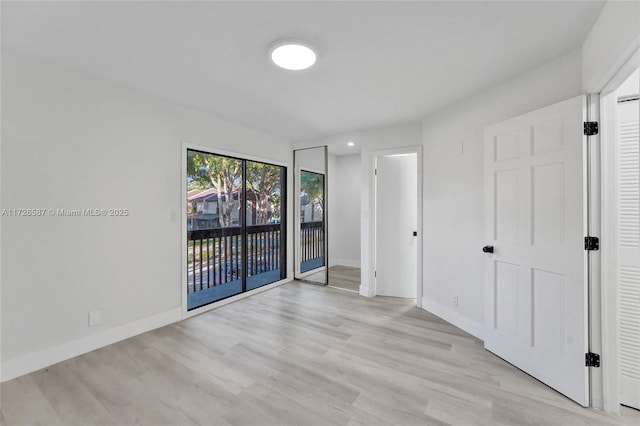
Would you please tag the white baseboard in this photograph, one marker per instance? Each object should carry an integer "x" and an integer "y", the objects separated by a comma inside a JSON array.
[
  {"x": 28, "y": 363},
  {"x": 349, "y": 262},
  {"x": 364, "y": 291},
  {"x": 453, "y": 317},
  {"x": 12, "y": 368}
]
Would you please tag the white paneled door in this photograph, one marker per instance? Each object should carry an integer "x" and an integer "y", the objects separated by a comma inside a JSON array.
[
  {"x": 536, "y": 286},
  {"x": 628, "y": 242}
]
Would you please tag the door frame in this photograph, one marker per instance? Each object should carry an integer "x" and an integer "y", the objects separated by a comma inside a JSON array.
[
  {"x": 608, "y": 326},
  {"x": 371, "y": 290},
  {"x": 296, "y": 214}
]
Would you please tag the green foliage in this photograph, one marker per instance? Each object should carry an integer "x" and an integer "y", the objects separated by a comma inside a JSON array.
[
  {"x": 312, "y": 184},
  {"x": 205, "y": 171},
  {"x": 197, "y": 176},
  {"x": 264, "y": 180}
]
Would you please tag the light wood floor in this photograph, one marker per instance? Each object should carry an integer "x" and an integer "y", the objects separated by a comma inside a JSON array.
[
  {"x": 296, "y": 355},
  {"x": 345, "y": 277}
]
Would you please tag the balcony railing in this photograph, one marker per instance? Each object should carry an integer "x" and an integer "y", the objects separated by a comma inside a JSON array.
[
  {"x": 214, "y": 256},
  {"x": 311, "y": 245}
]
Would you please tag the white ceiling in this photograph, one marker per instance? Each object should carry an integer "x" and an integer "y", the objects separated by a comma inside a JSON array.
[{"x": 379, "y": 62}]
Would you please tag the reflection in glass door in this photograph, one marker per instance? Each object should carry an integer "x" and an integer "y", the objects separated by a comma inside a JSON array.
[
  {"x": 312, "y": 238},
  {"x": 235, "y": 226}
]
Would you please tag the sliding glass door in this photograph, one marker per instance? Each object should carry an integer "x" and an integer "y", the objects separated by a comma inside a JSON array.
[{"x": 235, "y": 226}]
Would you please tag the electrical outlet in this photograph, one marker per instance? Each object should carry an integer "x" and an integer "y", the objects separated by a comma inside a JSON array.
[
  {"x": 174, "y": 216},
  {"x": 94, "y": 318},
  {"x": 455, "y": 301}
]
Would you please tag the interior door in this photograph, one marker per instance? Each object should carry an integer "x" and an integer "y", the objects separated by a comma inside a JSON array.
[
  {"x": 628, "y": 231},
  {"x": 536, "y": 286},
  {"x": 396, "y": 222}
]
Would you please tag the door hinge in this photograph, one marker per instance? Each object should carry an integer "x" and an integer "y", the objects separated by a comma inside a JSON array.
[
  {"x": 590, "y": 128},
  {"x": 591, "y": 359},
  {"x": 375, "y": 172},
  {"x": 375, "y": 274},
  {"x": 591, "y": 243}
]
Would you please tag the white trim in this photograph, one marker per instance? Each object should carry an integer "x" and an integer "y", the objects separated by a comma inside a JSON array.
[
  {"x": 364, "y": 290},
  {"x": 453, "y": 317},
  {"x": 608, "y": 247},
  {"x": 370, "y": 289},
  {"x": 296, "y": 220},
  {"x": 420, "y": 199},
  {"x": 594, "y": 263},
  {"x": 184, "y": 287},
  {"x": 33, "y": 361}
]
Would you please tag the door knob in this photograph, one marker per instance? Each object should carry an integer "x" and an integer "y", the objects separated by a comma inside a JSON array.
[{"x": 487, "y": 249}]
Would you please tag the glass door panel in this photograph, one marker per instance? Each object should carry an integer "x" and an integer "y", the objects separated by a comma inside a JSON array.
[
  {"x": 265, "y": 228},
  {"x": 214, "y": 228}
]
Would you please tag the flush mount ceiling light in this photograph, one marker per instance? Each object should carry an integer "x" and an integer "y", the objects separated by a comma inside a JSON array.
[
  {"x": 350, "y": 144},
  {"x": 294, "y": 56}
]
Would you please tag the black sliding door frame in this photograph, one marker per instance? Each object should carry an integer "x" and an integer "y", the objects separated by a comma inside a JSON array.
[{"x": 262, "y": 239}]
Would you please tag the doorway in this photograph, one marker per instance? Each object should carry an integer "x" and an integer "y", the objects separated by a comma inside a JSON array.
[{"x": 396, "y": 211}]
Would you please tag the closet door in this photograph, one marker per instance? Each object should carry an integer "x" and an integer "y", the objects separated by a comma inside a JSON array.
[{"x": 628, "y": 231}]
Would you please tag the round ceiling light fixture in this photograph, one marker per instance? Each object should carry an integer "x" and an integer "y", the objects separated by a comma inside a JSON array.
[
  {"x": 292, "y": 55},
  {"x": 350, "y": 143}
]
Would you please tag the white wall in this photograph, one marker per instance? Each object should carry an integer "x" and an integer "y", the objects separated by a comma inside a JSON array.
[
  {"x": 346, "y": 213},
  {"x": 333, "y": 219},
  {"x": 312, "y": 159},
  {"x": 453, "y": 197},
  {"x": 71, "y": 141},
  {"x": 453, "y": 182},
  {"x": 614, "y": 36}
]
